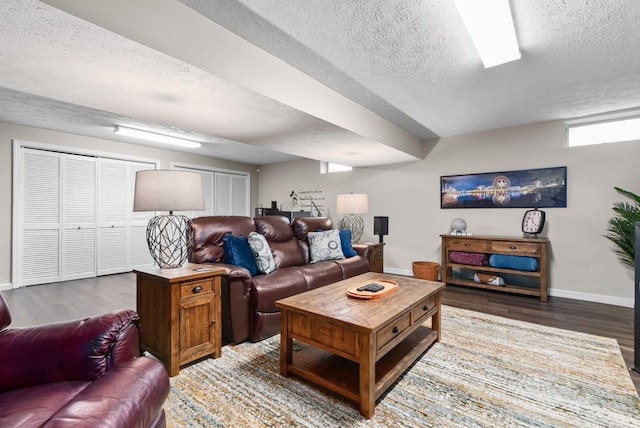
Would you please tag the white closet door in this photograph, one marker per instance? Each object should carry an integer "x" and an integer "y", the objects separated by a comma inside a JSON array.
[
  {"x": 112, "y": 216},
  {"x": 137, "y": 248},
  {"x": 240, "y": 195},
  {"x": 39, "y": 211},
  {"x": 78, "y": 217},
  {"x": 231, "y": 194},
  {"x": 207, "y": 190},
  {"x": 223, "y": 195}
]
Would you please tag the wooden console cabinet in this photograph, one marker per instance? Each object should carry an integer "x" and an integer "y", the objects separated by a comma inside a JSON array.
[
  {"x": 180, "y": 313},
  {"x": 529, "y": 247}
]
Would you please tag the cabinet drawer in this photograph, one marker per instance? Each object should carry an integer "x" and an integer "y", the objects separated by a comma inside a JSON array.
[
  {"x": 422, "y": 309},
  {"x": 194, "y": 288},
  {"x": 468, "y": 245},
  {"x": 520, "y": 248},
  {"x": 393, "y": 330}
]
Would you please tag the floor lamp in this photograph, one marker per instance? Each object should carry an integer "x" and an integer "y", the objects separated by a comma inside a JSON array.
[
  {"x": 170, "y": 237},
  {"x": 352, "y": 204}
]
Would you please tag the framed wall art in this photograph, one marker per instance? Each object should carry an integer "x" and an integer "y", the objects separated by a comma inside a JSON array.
[{"x": 527, "y": 188}]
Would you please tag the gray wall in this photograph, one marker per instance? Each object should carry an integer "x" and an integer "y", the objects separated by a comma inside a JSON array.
[
  {"x": 583, "y": 264},
  {"x": 9, "y": 132}
]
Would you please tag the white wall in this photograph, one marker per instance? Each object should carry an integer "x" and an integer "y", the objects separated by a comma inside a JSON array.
[
  {"x": 583, "y": 264},
  {"x": 9, "y": 132}
]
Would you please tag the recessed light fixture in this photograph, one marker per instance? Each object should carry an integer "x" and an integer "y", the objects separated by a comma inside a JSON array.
[
  {"x": 155, "y": 137},
  {"x": 491, "y": 28}
]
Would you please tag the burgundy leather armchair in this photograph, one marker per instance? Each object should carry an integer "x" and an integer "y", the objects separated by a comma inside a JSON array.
[{"x": 84, "y": 373}]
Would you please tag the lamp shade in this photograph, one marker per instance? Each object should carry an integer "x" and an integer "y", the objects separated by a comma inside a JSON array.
[
  {"x": 168, "y": 190},
  {"x": 352, "y": 203}
]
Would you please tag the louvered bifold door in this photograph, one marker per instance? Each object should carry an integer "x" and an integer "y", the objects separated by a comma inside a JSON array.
[
  {"x": 78, "y": 217},
  {"x": 239, "y": 195},
  {"x": 207, "y": 190},
  {"x": 39, "y": 213},
  {"x": 112, "y": 216},
  {"x": 232, "y": 194}
]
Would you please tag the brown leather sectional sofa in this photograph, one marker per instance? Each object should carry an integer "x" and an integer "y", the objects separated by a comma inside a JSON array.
[{"x": 248, "y": 301}]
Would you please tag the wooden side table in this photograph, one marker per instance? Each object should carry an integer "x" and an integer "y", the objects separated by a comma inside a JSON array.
[
  {"x": 180, "y": 313},
  {"x": 376, "y": 257}
]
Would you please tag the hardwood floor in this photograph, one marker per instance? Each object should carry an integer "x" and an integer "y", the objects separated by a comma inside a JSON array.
[{"x": 43, "y": 304}]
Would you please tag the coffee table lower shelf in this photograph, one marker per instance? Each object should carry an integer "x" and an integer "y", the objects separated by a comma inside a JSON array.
[{"x": 341, "y": 375}]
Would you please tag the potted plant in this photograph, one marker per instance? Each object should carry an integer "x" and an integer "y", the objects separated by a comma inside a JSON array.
[{"x": 621, "y": 228}]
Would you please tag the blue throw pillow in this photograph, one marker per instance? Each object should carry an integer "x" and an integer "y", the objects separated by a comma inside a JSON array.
[
  {"x": 345, "y": 241},
  {"x": 237, "y": 252},
  {"x": 528, "y": 264}
]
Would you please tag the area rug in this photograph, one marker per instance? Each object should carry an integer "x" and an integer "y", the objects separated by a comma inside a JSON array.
[{"x": 487, "y": 371}]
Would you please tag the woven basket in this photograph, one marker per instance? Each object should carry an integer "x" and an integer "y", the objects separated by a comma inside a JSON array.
[{"x": 426, "y": 270}]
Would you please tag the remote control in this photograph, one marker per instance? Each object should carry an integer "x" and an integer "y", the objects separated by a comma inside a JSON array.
[{"x": 373, "y": 287}]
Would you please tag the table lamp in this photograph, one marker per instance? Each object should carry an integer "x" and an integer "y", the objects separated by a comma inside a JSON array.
[
  {"x": 170, "y": 237},
  {"x": 352, "y": 204}
]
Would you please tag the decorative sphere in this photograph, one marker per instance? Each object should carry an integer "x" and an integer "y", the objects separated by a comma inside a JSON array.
[{"x": 458, "y": 226}]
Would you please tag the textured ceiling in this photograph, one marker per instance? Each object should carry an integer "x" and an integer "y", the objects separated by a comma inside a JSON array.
[{"x": 383, "y": 74}]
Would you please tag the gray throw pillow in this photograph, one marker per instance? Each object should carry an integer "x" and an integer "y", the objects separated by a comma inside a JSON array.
[
  {"x": 261, "y": 252},
  {"x": 325, "y": 245}
]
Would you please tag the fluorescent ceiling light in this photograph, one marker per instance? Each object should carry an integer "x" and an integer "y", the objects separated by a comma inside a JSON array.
[
  {"x": 155, "y": 137},
  {"x": 490, "y": 26},
  {"x": 609, "y": 131}
]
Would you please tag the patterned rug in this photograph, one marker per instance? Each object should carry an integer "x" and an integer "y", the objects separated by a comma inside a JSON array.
[{"x": 487, "y": 371}]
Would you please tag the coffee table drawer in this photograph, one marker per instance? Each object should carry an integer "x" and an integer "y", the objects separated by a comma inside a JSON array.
[
  {"x": 392, "y": 330},
  {"x": 422, "y": 309}
]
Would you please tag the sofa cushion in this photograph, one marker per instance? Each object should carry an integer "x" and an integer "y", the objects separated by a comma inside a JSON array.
[
  {"x": 352, "y": 266},
  {"x": 33, "y": 406},
  {"x": 325, "y": 245},
  {"x": 320, "y": 274},
  {"x": 127, "y": 396},
  {"x": 267, "y": 289},
  {"x": 238, "y": 252},
  {"x": 345, "y": 241},
  {"x": 209, "y": 233},
  {"x": 303, "y": 225},
  {"x": 261, "y": 253},
  {"x": 275, "y": 228},
  {"x": 287, "y": 253}
]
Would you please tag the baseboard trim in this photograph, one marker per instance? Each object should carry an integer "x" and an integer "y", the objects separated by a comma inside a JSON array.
[
  {"x": 554, "y": 292},
  {"x": 596, "y": 298},
  {"x": 6, "y": 286}
]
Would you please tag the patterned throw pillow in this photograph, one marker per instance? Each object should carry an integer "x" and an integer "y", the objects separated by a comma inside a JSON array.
[
  {"x": 325, "y": 245},
  {"x": 261, "y": 253}
]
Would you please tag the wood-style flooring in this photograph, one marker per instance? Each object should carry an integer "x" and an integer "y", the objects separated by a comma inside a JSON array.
[{"x": 43, "y": 304}]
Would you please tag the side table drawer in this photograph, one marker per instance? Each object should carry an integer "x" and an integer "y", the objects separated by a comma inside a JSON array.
[
  {"x": 468, "y": 245},
  {"x": 524, "y": 248},
  {"x": 392, "y": 330},
  {"x": 193, "y": 288}
]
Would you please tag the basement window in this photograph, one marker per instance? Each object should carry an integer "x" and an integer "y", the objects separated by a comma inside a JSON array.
[
  {"x": 603, "y": 129},
  {"x": 328, "y": 168}
]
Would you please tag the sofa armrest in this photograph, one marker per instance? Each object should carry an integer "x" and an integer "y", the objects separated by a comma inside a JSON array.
[
  {"x": 74, "y": 350},
  {"x": 363, "y": 249}
]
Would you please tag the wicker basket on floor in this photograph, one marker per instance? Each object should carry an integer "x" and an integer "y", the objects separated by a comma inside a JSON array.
[{"x": 426, "y": 270}]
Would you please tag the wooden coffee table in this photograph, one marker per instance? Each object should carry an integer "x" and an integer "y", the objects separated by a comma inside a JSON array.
[{"x": 359, "y": 347}]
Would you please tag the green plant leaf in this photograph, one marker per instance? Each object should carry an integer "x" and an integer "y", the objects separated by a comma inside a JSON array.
[{"x": 621, "y": 228}]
